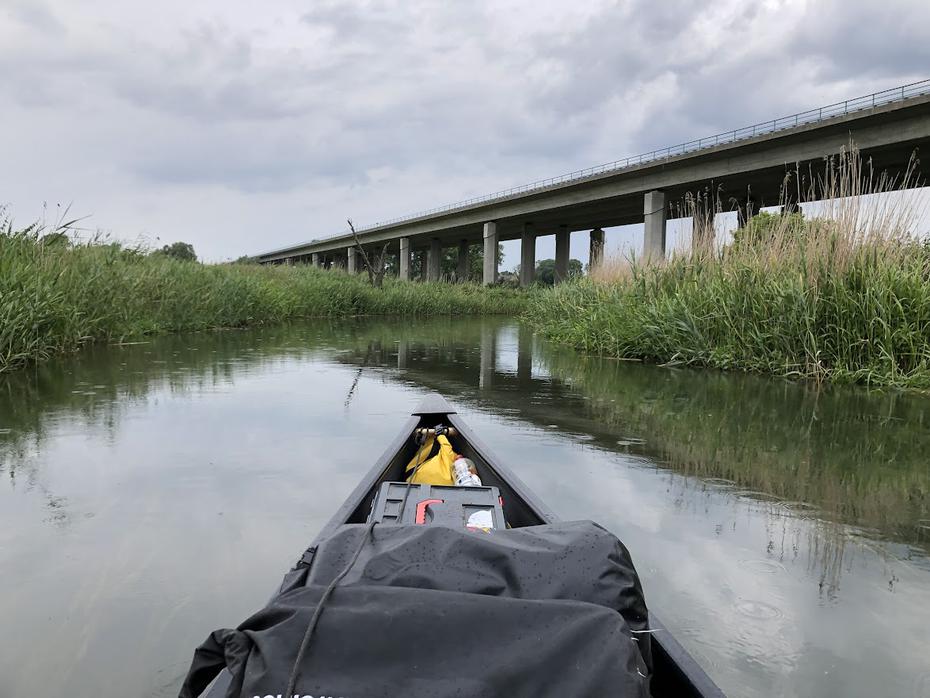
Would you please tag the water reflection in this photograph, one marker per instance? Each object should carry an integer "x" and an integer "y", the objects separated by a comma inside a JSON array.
[
  {"x": 769, "y": 519},
  {"x": 841, "y": 454}
]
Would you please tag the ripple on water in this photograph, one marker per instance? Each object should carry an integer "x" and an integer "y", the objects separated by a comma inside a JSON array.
[
  {"x": 767, "y": 566},
  {"x": 721, "y": 482},
  {"x": 757, "y": 495},
  {"x": 798, "y": 506},
  {"x": 758, "y": 610}
]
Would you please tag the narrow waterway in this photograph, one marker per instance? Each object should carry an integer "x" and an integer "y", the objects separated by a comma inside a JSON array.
[{"x": 150, "y": 493}]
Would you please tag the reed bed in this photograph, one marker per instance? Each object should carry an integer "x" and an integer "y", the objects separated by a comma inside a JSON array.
[
  {"x": 843, "y": 297},
  {"x": 56, "y": 296}
]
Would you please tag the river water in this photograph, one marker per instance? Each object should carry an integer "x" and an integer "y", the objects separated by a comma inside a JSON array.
[{"x": 152, "y": 492}]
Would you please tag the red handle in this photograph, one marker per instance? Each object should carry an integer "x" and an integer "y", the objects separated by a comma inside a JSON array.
[{"x": 421, "y": 509}]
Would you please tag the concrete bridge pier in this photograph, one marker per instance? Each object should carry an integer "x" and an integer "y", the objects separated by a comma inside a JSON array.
[
  {"x": 461, "y": 270},
  {"x": 403, "y": 261},
  {"x": 524, "y": 356},
  {"x": 350, "y": 260},
  {"x": 596, "y": 249},
  {"x": 562, "y": 253},
  {"x": 488, "y": 361},
  {"x": 490, "y": 253},
  {"x": 527, "y": 255},
  {"x": 656, "y": 218},
  {"x": 315, "y": 259},
  {"x": 433, "y": 259}
]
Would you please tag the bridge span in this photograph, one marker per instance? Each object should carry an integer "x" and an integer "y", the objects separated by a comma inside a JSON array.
[{"x": 742, "y": 170}]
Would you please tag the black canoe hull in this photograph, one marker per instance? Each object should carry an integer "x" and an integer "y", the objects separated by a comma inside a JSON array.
[{"x": 676, "y": 673}]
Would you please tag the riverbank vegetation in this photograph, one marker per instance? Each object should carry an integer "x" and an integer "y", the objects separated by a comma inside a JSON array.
[
  {"x": 56, "y": 295},
  {"x": 843, "y": 297}
]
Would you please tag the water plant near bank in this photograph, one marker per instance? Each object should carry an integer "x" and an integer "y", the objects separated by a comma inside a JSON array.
[
  {"x": 843, "y": 297},
  {"x": 56, "y": 296}
]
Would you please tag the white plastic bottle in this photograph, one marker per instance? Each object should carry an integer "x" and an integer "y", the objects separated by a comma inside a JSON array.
[{"x": 465, "y": 473}]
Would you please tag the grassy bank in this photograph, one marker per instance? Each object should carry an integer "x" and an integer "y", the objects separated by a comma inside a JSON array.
[
  {"x": 844, "y": 299},
  {"x": 56, "y": 297}
]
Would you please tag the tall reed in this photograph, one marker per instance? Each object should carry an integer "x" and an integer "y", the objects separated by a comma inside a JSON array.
[
  {"x": 842, "y": 297},
  {"x": 56, "y": 296}
]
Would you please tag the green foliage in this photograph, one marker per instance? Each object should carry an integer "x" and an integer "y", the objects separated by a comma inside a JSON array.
[
  {"x": 55, "y": 299},
  {"x": 824, "y": 306},
  {"x": 183, "y": 251},
  {"x": 545, "y": 271},
  {"x": 448, "y": 266},
  {"x": 56, "y": 238},
  {"x": 508, "y": 279},
  {"x": 764, "y": 227}
]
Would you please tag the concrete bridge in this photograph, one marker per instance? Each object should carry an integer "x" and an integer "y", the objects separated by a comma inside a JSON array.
[{"x": 742, "y": 170}]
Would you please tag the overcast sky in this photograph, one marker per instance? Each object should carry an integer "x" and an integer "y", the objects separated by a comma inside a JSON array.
[{"x": 242, "y": 126}]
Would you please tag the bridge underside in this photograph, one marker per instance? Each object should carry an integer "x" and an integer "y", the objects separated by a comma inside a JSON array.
[{"x": 777, "y": 169}]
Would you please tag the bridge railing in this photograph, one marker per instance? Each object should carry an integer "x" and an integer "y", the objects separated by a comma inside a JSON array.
[{"x": 849, "y": 106}]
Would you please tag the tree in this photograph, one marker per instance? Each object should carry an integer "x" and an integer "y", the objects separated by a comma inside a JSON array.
[
  {"x": 179, "y": 250},
  {"x": 764, "y": 227},
  {"x": 56, "y": 239},
  {"x": 545, "y": 270},
  {"x": 449, "y": 265},
  {"x": 375, "y": 263}
]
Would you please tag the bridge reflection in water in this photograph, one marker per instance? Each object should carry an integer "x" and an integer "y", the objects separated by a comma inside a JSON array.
[
  {"x": 848, "y": 459},
  {"x": 841, "y": 456},
  {"x": 782, "y": 529}
]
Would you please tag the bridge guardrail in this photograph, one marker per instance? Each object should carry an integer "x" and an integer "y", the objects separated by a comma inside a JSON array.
[{"x": 849, "y": 106}]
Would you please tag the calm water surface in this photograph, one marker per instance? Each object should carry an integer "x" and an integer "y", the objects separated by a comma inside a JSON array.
[{"x": 150, "y": 493}]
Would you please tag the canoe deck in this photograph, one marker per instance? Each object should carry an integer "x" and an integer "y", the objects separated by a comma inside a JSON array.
[{"x": 675, "y": 672}]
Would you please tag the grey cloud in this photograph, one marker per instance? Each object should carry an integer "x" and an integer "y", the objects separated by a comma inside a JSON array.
[
  {"x": 433, "y": 97},
  {"x": 371, "y": 23},
  {"x": 852, "y": 42},
  {"x": 36, "y": 15}
]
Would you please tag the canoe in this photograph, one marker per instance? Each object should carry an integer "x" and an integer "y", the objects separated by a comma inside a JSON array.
[{"x": 675, "y": 672}]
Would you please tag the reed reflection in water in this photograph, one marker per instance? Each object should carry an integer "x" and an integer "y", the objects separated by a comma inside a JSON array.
[{"x": 159, "y": 490}]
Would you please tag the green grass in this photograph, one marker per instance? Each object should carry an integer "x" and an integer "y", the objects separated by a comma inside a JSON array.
[
  {"x": 823, "y": 301},
  {"x": 55, "y": 297}
]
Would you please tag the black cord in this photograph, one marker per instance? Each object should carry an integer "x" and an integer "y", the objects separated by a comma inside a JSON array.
[
  {"x": 421, "y": 454},
  {"x": 315, "y": 618}
]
